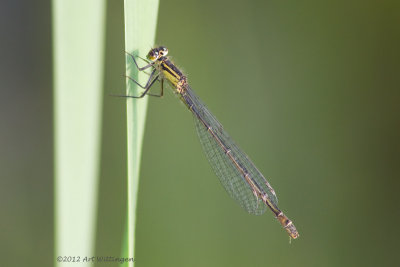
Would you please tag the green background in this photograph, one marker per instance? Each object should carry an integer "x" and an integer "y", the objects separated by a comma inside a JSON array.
[{"x": 309, "y": 89}]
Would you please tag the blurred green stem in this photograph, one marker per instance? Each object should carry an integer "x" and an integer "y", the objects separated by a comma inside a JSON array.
[{"x": 78, "y": 40}]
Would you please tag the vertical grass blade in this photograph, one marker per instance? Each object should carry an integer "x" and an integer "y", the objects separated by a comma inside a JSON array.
[
  {"x": 140, "y": 27},
  {"x": 78, "y": 41}
]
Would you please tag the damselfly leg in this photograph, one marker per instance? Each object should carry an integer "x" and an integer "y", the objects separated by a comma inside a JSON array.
[
  {"x": 152, "y": 79},
  {"x": 151, "y": 64}
]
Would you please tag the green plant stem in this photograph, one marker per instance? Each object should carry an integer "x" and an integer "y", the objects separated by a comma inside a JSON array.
[{"x": 140, "y": 27}]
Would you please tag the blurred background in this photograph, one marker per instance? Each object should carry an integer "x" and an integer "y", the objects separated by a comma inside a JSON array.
[{"x": 309, "y": 89}]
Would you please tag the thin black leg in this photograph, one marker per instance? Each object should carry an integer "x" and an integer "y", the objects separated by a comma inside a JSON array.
[
  {"x": 148, "y": 81},
  {"x": 145, "y": 91},
  {"x": 140, "y": 68},
  {"x": 162, "y": 90}
]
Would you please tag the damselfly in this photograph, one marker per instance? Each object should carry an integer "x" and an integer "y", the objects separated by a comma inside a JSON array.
[{"x": 241, "y": 179}]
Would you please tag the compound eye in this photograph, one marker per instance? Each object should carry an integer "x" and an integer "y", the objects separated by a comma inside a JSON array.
[
  {"x": 153, "y": 55},
  {"x": 163, "y": 50}
]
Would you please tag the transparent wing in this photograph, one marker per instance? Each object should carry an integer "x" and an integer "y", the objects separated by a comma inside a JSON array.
[{"x": 230, "y": 175}]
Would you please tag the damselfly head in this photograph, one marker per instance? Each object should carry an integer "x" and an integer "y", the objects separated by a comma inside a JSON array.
[{"x": 157, "y": 53}]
